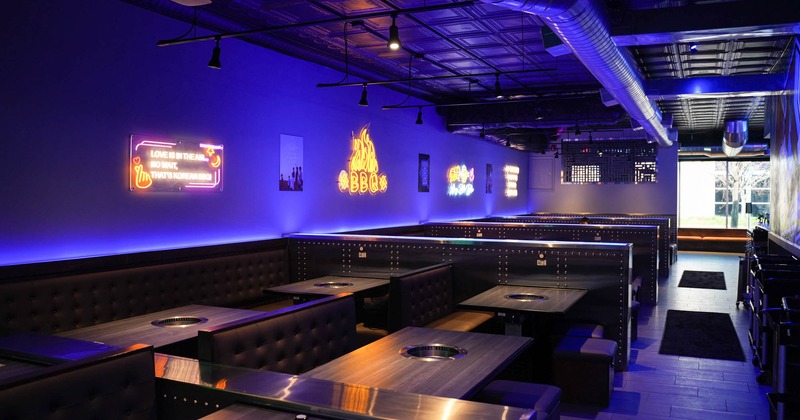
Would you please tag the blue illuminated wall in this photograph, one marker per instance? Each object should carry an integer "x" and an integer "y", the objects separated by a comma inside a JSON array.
[
  {"x": 77, "y": 81},
  {"x": 785, "y": 158}
]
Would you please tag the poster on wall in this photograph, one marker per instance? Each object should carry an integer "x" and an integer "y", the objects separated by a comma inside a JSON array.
[
  {"x": 159, "y": 164},
  {"x": 424, "y": 174},
  {"x": 291, "y": 165},
  {"x": 489, "y": 178}
]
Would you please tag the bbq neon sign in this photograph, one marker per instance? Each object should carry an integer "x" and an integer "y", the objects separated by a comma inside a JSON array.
[
  {"x": 362, "y": 175},
  {"x": 174, "y": 165},
  {"x": 460, "y": 180}
]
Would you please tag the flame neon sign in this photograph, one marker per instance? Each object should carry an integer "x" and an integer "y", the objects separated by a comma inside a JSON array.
[
  {"x": 460, "y": 180},
  {"x": 362, "y": 175},
  {"x": 512, "y": 177}
]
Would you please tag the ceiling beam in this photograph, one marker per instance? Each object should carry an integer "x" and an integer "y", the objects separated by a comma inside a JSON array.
[
  {"x": 707, "y": 22},
  {"x": 716, "y": 87}
]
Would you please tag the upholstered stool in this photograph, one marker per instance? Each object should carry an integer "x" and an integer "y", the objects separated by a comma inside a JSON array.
[
  {"x": 585, "y": 330},
  {"x": 545, "y": 399},
  {"x": 583, "y": 367},
  {"x": 634, "y": 320}
]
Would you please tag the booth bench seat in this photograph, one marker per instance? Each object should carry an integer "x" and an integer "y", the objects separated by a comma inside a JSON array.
[
  {"x": 424, "y": 298},
  {"x": 292, "y": 340},
  {"x": 713, "y": 240}
]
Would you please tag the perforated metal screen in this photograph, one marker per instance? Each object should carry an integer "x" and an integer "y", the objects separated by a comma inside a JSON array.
[{"x": 613, "y": 161}]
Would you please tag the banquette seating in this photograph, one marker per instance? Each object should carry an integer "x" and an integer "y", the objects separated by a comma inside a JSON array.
[
  {"x": 291, "y": 340},
  {"x": 119, "y": 385},
  {"x": 57, "y": 303},
  {"x": 424, "y": 298},
  {"x": 713, "y": 240}
]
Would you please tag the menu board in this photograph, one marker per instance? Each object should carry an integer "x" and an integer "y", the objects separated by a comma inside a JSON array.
[{"x": 158, "y": 164}]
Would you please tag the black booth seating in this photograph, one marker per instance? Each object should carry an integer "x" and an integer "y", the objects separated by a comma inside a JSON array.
[{"x": 291, "y": 340}]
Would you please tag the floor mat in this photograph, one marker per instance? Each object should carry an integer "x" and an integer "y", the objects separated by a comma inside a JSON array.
[{"x": 708, "y": 335}]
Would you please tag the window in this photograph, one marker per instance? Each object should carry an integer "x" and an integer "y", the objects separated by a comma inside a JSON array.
[{"x": 718, "y": 194}]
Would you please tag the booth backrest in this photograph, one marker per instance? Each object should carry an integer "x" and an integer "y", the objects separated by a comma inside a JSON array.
[
  {"x": 291, "y": 340},
  {"x": 63, "y": 303},
  {"x": 115, "y": 386},
  {"x": 419, "y": 297}
]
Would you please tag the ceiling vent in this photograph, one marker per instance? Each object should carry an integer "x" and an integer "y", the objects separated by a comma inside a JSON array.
[{"x": 735, "y": 137}]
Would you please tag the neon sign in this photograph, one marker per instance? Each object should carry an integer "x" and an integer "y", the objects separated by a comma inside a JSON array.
[
  {"x": 459, "y": 181},
  {"x": 174, "y": 165},
  {"x": 362, "y": 175},
  {"x": 512, "y": 177}
]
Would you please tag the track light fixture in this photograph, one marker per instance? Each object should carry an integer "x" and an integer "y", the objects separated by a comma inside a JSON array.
[
  {"x": 483, "y": 130},
  {"x": 577, "y": 129},
  {"x": 394, "y": 34},
  {"x": 214, "y": 63},
  {"x": 537, "y": 114},
  {"x": 693, "y": 47},
  {"x": 419, "y": 116},
  {"x": 590, "y": 138},
  {"x": 363, "y": 101},
  {"x": 497, "y": 92},
  {"x": 556, "y": 155}
]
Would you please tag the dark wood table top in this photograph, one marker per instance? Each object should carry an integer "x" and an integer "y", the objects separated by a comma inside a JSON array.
[
  {"x": 330, "y": 285},
  {"x": 381, "y": 364},
  {"x": 140, "y": 329},
  {"x": 533, "y": 299},
  {"x": 11, "y": 368}
]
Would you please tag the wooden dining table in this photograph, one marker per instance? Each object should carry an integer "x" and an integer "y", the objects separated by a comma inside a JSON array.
[
  {"x": 513, "y": 302},
  {"x": 302, "y": 291},
  {"x": 426, "y": 361},
  {"x": 161, "y": 328}
]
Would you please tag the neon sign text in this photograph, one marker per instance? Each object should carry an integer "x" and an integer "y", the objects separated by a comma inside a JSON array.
[
  {"x": 362, "y": 175},
  {"x": 174, "y": 165},
  {"x": 512, "y": 177},
  {"x": 460, "y": 180}
]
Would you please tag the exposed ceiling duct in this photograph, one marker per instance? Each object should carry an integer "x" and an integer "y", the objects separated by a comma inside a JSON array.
[
  {"x": 581, "y": 27},
  {"x": 735, "y": 137}
]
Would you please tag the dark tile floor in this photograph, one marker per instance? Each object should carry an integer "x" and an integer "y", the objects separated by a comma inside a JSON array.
[{"x": 664, "y": 386}]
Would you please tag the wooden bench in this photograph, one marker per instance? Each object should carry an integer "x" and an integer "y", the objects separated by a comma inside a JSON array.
[
  {"x": 424, "y": 298},
  {"x": 291, "y": 340},
  {"x": 713, "y": 239}
]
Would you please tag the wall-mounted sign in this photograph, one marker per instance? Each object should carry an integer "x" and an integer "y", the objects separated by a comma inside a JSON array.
[
  {"x": 511, "y": 174},
  {"x": 424, "y": 173},
  {"x": 174, "y": 165},
  {"x": 459, "y": 180},
  {"x": 362, "y": 175}
]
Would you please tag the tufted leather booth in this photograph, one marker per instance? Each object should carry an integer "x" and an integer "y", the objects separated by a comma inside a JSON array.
[
  {"x": 292, "y": 340},
  {"x": 64, "y": 303},
  {"x": 424, "y": 298},
  {"x": 114, "y": 386}
]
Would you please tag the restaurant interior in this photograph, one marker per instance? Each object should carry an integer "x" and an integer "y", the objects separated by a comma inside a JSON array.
[{"x": 226, "y": 228}]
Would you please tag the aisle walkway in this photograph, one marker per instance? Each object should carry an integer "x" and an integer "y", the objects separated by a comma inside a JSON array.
[{"x": 660, "y": 386}]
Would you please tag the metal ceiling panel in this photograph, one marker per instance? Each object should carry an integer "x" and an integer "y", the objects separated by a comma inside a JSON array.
[{"x": 456, "y": 47}]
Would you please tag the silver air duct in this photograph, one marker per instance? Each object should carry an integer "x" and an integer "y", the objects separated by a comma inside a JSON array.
[
  {"x": 581, "y": 27},
  {"x": 735, "y": 137}
]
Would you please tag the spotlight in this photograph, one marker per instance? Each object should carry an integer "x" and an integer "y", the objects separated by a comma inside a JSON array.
[
  {"x": 577, "y": 129},
  {"x": 556, "y": 155},
  {"x": 693, "y": 47},
  {"x": 537, "y": 114},
  {"x": 394, "y": 35},
  {"x": 497, "y": 92},
  {"x": 214, "y": 63},
  {"x": 590, "y": 138},
  {"x": 483, "y": 131},
  {"x": 363, "y": 101},
  {"x": 419, "y": 116}
]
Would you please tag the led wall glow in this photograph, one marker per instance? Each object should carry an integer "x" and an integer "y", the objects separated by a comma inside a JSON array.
[
  {"x": 174, "y": 165},
  {"x": 511, "y": 173},
  {"x": 362, "y": 175},
  {"x": 460, "y": 180}
]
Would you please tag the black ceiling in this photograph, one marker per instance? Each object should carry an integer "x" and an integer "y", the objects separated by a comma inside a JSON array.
[{"x": 456, "y": 52}]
